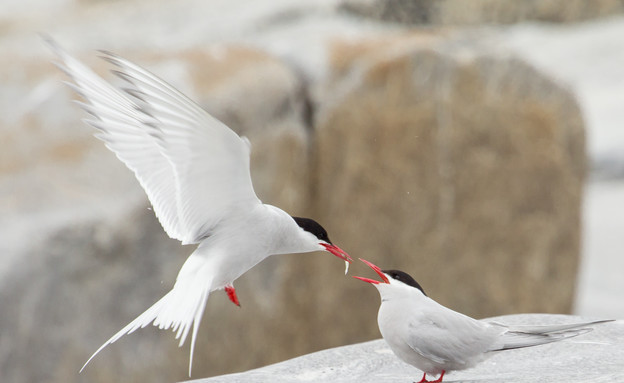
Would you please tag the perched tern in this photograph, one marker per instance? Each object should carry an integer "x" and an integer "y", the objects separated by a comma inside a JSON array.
[
  {"x": 195, "y": 172},
  {"x": 436, "y": 339}
]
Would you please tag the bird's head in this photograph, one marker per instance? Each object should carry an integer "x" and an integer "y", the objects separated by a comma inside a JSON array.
[
  {"x": 391, "y": 280},
  {"x": 318, "y": 235}
]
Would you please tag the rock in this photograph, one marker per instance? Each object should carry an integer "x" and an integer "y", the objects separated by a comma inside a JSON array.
[
  {"x": 461, "y": 166},
  {"x": 594, "y": 357},
  {"x": 449, "y": 12},
  {"x": 76, "y": 285}
]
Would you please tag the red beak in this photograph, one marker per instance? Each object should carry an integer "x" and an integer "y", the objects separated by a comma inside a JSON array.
[
  {"x": 375, "y": 269},
  {"x": 338, "y": 252}
]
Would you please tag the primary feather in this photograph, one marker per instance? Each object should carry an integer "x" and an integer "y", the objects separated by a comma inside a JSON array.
[
  {"x": 527, "y": 336},
  {"x": 174, "y": 147}
]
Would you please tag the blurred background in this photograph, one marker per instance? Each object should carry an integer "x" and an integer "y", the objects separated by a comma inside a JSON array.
[{"x": 476, "y": 145}]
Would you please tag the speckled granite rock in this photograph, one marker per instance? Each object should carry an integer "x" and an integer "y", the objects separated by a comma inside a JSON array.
[{"x": 594, "y": 357}]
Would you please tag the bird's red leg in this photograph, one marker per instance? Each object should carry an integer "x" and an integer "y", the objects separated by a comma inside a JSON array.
[
  {"x": 231, "y": 293},
  {"x": 424, "y": 379},
  {"x": 439, "y": 380}
]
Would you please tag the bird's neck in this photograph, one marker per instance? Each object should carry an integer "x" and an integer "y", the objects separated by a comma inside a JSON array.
[
  {"x": 289, "y": 237},
  {"x": 399, "y": 294}
]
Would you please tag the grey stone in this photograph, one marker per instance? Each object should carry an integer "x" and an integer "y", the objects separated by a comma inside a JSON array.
[
  {"x": 475, "y": 12},
  {"x": 594, "y": 357}
]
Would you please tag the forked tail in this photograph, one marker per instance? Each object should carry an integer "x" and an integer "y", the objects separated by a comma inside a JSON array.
[
  {"x": 179, "y": 310},
  {"x": 527, "y": 336}
]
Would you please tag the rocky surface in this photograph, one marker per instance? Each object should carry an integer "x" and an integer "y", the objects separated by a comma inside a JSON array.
[{"x": 594, "y": 357}]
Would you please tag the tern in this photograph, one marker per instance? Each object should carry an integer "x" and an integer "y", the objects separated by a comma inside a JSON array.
[
  {"x": 195, "y": 172},
  {"x": 436, "y": 339}
]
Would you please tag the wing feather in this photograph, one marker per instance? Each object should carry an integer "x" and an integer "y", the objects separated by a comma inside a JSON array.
[
  {"x": 193, "y": 168},
  {"x": 533, "y": 335},
  {"x": 210, "y": 161}
]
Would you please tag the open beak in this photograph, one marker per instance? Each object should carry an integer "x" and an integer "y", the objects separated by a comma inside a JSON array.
[
  {"x": 338, "y": 252},
  {"x": 375, "y": 269}
]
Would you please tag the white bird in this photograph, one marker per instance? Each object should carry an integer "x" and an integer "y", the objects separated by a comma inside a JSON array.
[
  {"x": 436, "y": 339},
  {"x": 195, "y": 172}
]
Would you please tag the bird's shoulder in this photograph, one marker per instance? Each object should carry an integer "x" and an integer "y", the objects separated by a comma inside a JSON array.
[{"x": 438, "y": 317}]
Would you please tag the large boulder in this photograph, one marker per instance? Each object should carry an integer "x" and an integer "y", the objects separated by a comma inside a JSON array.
[{"x": 462, "y": 167}]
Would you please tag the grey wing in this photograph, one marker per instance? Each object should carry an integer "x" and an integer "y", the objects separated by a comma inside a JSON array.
[{"x": 446, "y": 336}]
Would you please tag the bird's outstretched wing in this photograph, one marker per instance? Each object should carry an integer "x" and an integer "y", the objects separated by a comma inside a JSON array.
[{"x": 193, "y": 167}]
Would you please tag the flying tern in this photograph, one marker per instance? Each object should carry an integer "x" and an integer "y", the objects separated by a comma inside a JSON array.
[
  {"x": 195, "y": 172},
  {"x": 436, "y": 339}
]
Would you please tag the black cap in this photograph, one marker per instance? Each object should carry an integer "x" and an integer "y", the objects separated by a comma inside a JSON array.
[
  {"x": 404, "y": 277},
  {"x": 313, "y": 227}
]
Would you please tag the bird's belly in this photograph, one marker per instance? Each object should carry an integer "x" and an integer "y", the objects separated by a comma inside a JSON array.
[
  {"x": 234, "y": 266},
  {"x": 394, "y": 331},
  {"x": 404, "y": 352},
  {"x": 221, "y": 261},
  {"x": 394, "y": 325}
]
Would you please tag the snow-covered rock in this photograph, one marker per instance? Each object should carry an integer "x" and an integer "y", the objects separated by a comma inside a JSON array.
[{"x": 594, "y": 357}]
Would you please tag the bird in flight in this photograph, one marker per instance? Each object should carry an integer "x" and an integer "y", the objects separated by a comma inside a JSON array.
[
  {"x": 195, "y": 172},
  {"x": 436, "y": 339}
]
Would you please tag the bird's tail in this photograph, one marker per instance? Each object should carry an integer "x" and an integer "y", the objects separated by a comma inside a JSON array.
[
  {"x": 179, "y": 310},
  {"x": 526, "y": 336}
]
